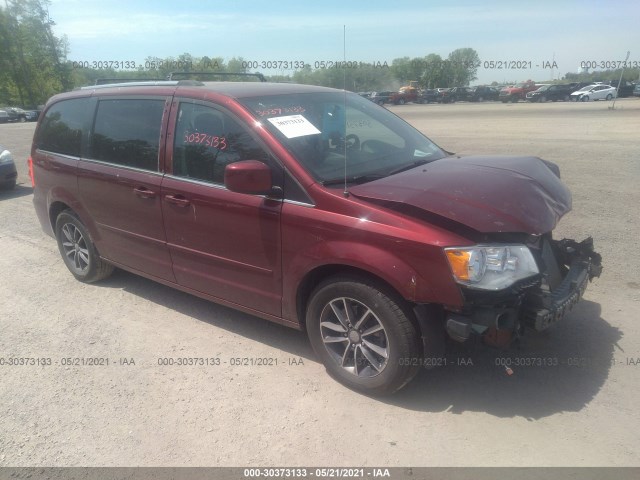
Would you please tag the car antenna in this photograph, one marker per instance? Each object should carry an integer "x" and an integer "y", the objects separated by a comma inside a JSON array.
[{"x": 344, "y": 94}]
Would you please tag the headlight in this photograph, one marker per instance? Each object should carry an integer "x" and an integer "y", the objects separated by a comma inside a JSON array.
[
  {"x": 491, "y": 267},
  {"x": 5, "y": 157}
]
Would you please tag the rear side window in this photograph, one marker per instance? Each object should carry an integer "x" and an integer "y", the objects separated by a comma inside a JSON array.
[
  {"x": 127, "y": 132},
  {"x": 61, "y": 128}
]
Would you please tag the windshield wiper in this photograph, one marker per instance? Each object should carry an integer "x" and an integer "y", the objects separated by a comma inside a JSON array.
[
  {"x": 415, "y": 164},
  {"x": 370, "y": 177}
]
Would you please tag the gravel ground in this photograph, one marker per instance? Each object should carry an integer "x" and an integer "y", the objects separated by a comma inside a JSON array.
[{"x": 135, "y": 412}]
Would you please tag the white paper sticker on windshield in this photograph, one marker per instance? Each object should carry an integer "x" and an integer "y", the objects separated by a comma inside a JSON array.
[{"x": 294, "y": 126}]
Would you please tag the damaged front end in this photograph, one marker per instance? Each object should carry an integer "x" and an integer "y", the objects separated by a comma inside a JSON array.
[{"x": 500, "y": 315}]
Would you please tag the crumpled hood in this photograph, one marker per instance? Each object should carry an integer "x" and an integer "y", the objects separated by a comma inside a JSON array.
[{"x": 486, "y": 193}]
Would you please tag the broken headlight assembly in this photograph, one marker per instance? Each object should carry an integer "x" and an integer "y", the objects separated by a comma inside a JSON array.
[{"x": 491, "y": 267}]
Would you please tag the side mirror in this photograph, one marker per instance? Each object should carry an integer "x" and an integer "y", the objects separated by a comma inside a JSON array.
[{"x": 249, "y": 176}]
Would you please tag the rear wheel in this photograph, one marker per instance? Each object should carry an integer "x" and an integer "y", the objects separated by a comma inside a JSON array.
[
  {"x": 584, "y": 98},
  {"x": 78, "y": 251},
  {"x": 543, "y": 99},
  {"x": 364, "y": 335},
  {"x": 609, "y": 97},
  {"x": 401, "y": 101}
]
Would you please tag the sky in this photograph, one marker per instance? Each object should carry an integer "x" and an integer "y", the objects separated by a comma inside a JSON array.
[{"x": 534, "y": 33}]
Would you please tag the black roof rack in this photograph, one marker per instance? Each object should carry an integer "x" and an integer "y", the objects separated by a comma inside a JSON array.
[
  {"x": 105, "y": 81},
  {"x": 259, "y": 76}
]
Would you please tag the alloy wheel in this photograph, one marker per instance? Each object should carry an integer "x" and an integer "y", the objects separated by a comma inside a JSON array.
[
  {"x": 354, "y": 337},
  {"x": 75, "y": 248}
]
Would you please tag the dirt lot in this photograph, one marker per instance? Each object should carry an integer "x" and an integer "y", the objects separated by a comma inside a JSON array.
[{"x": 135, "y": 412}]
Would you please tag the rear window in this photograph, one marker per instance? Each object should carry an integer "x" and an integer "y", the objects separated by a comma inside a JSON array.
[
  {"x": 61, "y": 128},
  {"x": 127, "y": 132}
]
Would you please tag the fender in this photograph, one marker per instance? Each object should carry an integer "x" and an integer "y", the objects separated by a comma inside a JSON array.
[{"x": 411, "y": 284}]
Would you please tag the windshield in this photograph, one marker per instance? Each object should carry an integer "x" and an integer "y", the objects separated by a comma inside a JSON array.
[
  {"x": 585, "y": 89},
  {"x": 543, "y": 88},
  {"x": 367, "y": 140}
]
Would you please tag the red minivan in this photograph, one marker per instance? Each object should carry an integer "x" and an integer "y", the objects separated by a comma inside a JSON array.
[{"x": 310, "y": 207}]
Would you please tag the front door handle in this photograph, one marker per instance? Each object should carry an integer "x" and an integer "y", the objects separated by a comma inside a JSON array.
[
  {"x": 178, "y": 200},
  {"x": 144, "y": 192}
]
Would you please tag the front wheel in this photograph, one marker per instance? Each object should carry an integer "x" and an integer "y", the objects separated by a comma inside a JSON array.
[
  {"x": 364, "y": 336},
  {"x": 401, "y": 101},
  {"x": 584, "y": 98},
  {"x": 609, "y": 97},
  {"x": 10, "y": 185},
  {"x": 78, "y": 251}
]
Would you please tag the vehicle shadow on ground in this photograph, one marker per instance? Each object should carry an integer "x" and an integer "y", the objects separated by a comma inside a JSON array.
[
  {"x": 561, "y": 370},
  {"x": 18, "y": 191},
  {"x": 277, "y": 336}
]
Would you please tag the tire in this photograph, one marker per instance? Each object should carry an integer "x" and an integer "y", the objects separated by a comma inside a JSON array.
[
  {"x": 10, "y": 185},
  {"x": 78, "y": 251},
  {"x": 380, "y": 102},
  {"x": 22, "y": 119},
  {"x": 609, "y": 97},
  {"x": 543, "y": 99},
  {"x": 566, "y": 98},
  {"x": 514, "y": 99},
  {"x": 339, "y": 314},
  {"x": 584, "y": 98},
  {"x": 481, "y": 99},
  {"x": 401, "y": 101}
]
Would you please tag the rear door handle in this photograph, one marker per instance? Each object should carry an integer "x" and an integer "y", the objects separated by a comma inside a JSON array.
[
  {"x": 144, "y": 192},
  {"x": 178, "y": 200}
]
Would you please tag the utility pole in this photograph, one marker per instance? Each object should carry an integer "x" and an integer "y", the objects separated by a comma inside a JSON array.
[{"x": 613, "y": 106}]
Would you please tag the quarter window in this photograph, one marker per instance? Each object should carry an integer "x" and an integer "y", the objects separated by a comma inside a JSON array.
[
  {"x": 127, "y": 132},
  {"x": 61, "y": 128},
  {"x": 207, "y": 140}
]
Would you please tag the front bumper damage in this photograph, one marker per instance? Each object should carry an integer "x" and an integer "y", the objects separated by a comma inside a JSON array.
[{"x": 566, "y": 268}]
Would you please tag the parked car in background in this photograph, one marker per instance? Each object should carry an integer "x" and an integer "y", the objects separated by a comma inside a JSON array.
[
  {"x": 517, "y": 92},
  {"x": 16, "y": 114},
  {"x": 4, "y": 116},
  {"x": 32, "y": 115},
  {"x": 443, "y": 95},
  {"x": 459, "y": 94},
  {"x": 625, "y": 89},
  {"x": 380, "y": 97},
  {"x": 8, "y": 172},
  {"x": 552, "y": 92},
  {"x": 594, "y": 92},
  {"x": 636, "y": 90},
  {"x": 428, "y": 96},
  {"x": 483, "y": 93}
]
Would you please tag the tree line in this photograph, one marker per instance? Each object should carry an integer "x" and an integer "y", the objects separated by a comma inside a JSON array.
[{"x": 34, "y": 64}]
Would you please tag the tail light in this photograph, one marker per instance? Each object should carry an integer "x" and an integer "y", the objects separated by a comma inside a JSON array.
[{"x": 33, "y": 180}]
